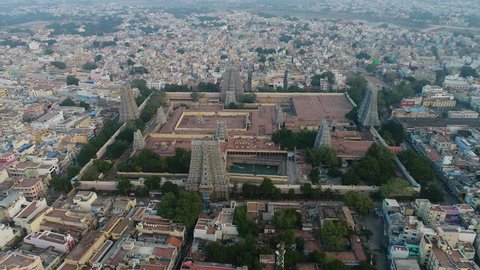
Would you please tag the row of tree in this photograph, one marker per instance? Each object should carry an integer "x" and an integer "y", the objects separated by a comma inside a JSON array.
[
  {"x": 148, "y": 161},
  {"x": 290, "y": 140}
]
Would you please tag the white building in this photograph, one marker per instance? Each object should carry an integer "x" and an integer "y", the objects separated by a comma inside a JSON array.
[
  {"x": 84, "y": 199},
  {"x": 28, "y": 214},
  {"x": 219, "y": 228},
  {"x": 462, "y": 114},
  {"x": 11, "y": 203},
  {"x": 48, "y": 120},
  {"x": 6, "y": 235}
]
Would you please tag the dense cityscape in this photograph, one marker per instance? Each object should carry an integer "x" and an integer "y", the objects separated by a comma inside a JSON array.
[{"x": 239, "y": 134}]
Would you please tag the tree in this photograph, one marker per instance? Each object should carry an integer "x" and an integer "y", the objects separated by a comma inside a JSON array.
[
  {"x": 314, "y": 175},
  {"x": 267, "y": 190},
  {"x": 124, "y": 185},
  {"x": 98, "y": 57},
  {"x": 116, "y": 149},
  {"x": 440, "y": 77},
  {"x": 371, "y": 68},
  {"x": 287, "y": 219},
  {"x": 48, "y": 51},
  {"x": 84, "y": 105},
  {"x": 432, "y": 193},
  {"x": 351, "y": 178},
  {"x": 395, "y": 130},
  {"x": 396, "y": 187},
  {"x": 419, "y": 167},
  {"x": 152, "y": 183},
  {"x": 246, "y": 227},
  {"x": 334, "y": 235},
  {"x": 363, "y": 55},
  {"x": 357, "y": 88},
  {"x": 60, "y": 183},
  {"x": 249, "y": 98},
  {"x": 102, "y": 166},
  {"x": 89, "y": 66},
  {"x": 72, "y": 80},
  {"x": 183, "y": 208},
  {"x": 195, "y": 96},
  {"x": 327, "y": 156},
  {"x": 362, "y": 203},
  {"x": 58, "y": 64},
  {"x": 467, "y": 71},
  {"x": 169, "y": 187},
  {"x": 68, "y": 102},
  {"x": 390, "y": 76},
  {"x": 330, "y": 76}
]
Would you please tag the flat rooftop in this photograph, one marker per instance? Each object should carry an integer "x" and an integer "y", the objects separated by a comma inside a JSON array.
[{"x": 311, "y": 109}]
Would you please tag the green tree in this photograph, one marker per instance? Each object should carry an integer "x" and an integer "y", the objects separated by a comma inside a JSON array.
[
  {"x": 267, "y": 190},
  {"x": 84, "y": 105},
  {"x": 124, "y": 185},
  {"x": 431, "y": 192},
  {"x": 98, "y": 57},
  {"x": 246, "y": 227},
  {"x": 287, "y": 219},
  {"x": 330, "y": 76},
  {"x": 362, "y": 203},
  {"x": 183, "y": 208},
  {"x": 48, "y": 51},
  {"x": 102, "y": 166},
  {"x": 396, "y": 187},
  {"x": 152, "y": 183},
  {"x": 314, "y": 175},
  {"x": 334, "y": 235},
  {"x": 328, "y": 156},
  {"x": 89, "y": 66},
  {"x": 249, "y": 98},
  {"x": 395, "y": 130},
  {"x": 357, "y": 87},
  {"x": 468, "y": 71},
  {"x": 419, "y": 167},
  {"x": 58, "y": 64},
  {"x": 116, "y": 149},
  {"x": 72, "y": 80},
  {"x": 390, "y": 76},
  {"x": 169, "y": 187},
  {"x": 60, "y": 183},
  {"x": 68, "y": 102},
  {"x": 371, "y": 68},
  {"x": 363, "y": 55}
]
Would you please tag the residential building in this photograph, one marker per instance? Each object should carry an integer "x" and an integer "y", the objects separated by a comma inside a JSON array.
[{"x": 46, "y": 239}]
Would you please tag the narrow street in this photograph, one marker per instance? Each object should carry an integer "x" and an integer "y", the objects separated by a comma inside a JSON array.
[{"x": 376, "y": 243}]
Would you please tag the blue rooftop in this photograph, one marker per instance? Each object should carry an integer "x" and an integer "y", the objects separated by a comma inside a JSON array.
[
  {"x": 52, "y": 154},
  {"x": 25, "y": 147}
]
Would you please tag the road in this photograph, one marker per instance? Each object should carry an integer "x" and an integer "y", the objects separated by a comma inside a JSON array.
[{"x": 377, "y": 242}]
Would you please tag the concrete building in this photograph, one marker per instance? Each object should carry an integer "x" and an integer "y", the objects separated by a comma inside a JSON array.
[
  {"x": 219, "y": 228},
  {"x": 404, "y": 264},
  {"x": 84, "y": 200},
  {"x": 463, "y": 114},
  {"x": 46, "y": 239},
  {"x": 19, "y": 261},
  {"x": 11, "y": 202},
  {"x": 32, "y": 188},
  {"x": 48, "y": 120},
  {"x": 6, "y": 235},
  {"x": 28, "y": 217}
]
